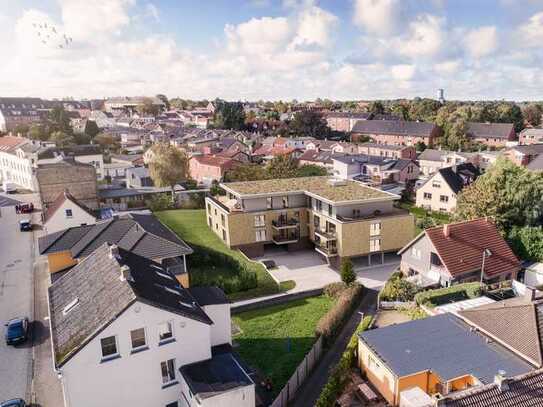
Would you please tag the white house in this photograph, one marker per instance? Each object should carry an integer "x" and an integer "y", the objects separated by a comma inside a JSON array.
[
  {"x": 126, "y": 333},
  {"x": 16, "y": 165},
  {"x": 86, "y": 154},
  {"x": 66, "y": 212}
]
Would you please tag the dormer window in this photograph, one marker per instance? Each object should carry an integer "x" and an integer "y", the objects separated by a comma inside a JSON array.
[{"x": 71, "y": 305}]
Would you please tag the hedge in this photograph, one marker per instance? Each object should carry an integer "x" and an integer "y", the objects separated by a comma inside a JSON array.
[
  {"x": 339, "y": 376},
  {"x": 398, "y": 289},
  {"x": 331, "y": 322},
  {"x": 440, "y": 296}
]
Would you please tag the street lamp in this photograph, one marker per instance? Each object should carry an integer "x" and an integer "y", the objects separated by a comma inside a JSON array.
[{"x": 486, "y": 253}]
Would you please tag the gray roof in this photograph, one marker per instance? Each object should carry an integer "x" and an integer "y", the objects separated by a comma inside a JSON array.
[
  {"x": 536, "y": 164},
  {"x": 490, "y": 130},
  {"x": 396, "y": 127},
  {"x": 432, "y": 155},
  {"x": 72, "y": 151},
  {"x": 109, "y": 193},
  {"x": 102, "y": 296},
  {"x": 383, "y": 146},
  {"x": 142, "y": 234},
  {"x": 443, "y": 344}
]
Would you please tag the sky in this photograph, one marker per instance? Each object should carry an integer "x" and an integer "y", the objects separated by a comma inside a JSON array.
[{"x": 272, "y": 49}]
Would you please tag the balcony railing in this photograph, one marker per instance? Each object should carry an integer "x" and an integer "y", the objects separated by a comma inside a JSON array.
[
  {"x": 286, "y": 238},
  {"x": 219, "y": 203},
  {"x": 327, "y": 251},
  {"x": 284, "y": 223},
  {"x": 326, "y": 235}
]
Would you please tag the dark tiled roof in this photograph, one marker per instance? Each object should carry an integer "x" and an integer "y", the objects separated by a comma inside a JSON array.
[
  {"x": 518, "y": 325},
  {"x": 520, "y": 391},
  {"x": 209, "y": 295},
  {"x": 443, "y": 344},
  {"x": 384, "y": 146},
  {"x": 458, "y": 178},
  {"x": 317, "y": 156},
  {"x": 216, "y": 375},
  {"x": 142, "y": 234},
  {"x": 529, "y": 149},
  {"x": 73, "y": 151},
  {"x": 490, "y": 130},
  {"x": 57, "y": 203},
  {"x": 394, "y": 127},
  {"x": 432, "y": 155},
  {"x": 462, "y": 251},
  {"x": 102, "y": 296},
  {"x": 536, "y": 164}
]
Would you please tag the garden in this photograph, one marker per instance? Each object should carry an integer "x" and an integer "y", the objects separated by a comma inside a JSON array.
[{"x": 213, "y": 263}]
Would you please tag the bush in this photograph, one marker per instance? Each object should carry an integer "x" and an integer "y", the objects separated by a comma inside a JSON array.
[
  {"x": 339, "y": 375},
  {"x": 330, "y": 323},
  {"x": 440, "y": 296},
  {"x": 333, "y": 290},
  {"x": 160, "y": 202},
  {"x": 398, "y": 289},
  {"x": 348, "y": 275},
  {"x": 527, "y": 242}
]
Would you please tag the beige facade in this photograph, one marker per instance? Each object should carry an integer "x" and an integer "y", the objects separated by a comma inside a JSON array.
[
  {"x": 436, "y": 195},
  {"x": 300, "y": 220}
]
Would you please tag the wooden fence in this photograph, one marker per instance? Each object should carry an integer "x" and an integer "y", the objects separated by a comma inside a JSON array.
[{"x": 296, "y": 380}]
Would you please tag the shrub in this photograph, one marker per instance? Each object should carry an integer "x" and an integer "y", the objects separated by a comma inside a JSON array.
[
  {"x": 527, "y": 242},
  {"x": 348, "y": 275},
  {"x": 160, "y": 202},
  {"x": 454, "y": 293},
  {"x": 333, "y": 290},
  {"x": 398, "y": 289},
  {"x": 339, "y": 375},
  {"x": 330, "y": 323}
]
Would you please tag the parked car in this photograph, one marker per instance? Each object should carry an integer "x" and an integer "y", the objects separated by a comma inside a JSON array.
[
  {"x": 17, "y": 331},
  {"x": 13, "y": 403},
  {"x": 25, "y": 225},
  {"x": 24, "y": 208}
]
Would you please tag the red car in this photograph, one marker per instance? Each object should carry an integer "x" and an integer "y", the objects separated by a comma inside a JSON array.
[{"x": 25, "y": 208}]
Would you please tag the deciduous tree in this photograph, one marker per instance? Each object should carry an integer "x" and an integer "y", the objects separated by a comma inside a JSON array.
[
  {"x": 168, "y": 166},
  {"x": 309, "y": 123},
  {"x": 282, "y": 166}
]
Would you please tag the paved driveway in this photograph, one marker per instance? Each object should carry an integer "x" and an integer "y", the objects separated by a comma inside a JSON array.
[
  {"x": 306, "y": 267},
  {"x": 375, "y": 277},
  {"x": 16, "y": 293}
]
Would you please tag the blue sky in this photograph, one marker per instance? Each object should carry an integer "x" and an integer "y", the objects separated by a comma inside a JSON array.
[{"x": 273, "y": 49}]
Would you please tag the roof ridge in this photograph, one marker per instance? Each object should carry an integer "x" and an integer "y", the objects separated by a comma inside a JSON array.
[
  {"x": 64, "y": 231},
  {"x": 459, "y": 223}
]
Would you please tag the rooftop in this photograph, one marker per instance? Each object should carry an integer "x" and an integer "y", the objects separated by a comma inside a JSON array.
[
  {"x": 491, "y": 130},
  {"x": 321, "y": 187},
  {"x": 396, "y": 127},
  {"x": 444, "y": 345},
  {"x": 57, "y": 203}
]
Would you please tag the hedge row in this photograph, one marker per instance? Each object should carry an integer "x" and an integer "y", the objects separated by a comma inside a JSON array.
[
  {"x": 339, "y": 376},
  {"x": 398, "y": 289},
  {"x": 441, "y": 296},
  {"x": 331, "y": 322}
]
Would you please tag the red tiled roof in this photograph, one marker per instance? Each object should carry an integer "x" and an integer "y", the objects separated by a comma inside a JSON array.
[
  {"x": 274, "y": 151},
  {"x": 214, "y": 160},
  {"x": 9, "y": 142},
  {"x": 462, "y": 251},
  {"x": 57, "y": 203}
]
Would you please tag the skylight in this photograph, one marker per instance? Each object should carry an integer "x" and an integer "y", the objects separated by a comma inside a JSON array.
[
  {"x": 172, "y": 291},
  {"x": 70, "y": 306}
]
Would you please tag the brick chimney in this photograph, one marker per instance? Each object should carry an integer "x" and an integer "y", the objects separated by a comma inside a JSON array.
[{"x": 446, "y": 230}]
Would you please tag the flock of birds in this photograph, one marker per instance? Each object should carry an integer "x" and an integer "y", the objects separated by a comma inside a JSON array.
[{"x": 49, "y": 36}]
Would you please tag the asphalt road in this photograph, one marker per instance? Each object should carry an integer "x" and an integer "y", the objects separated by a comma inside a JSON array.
[{"x": 16, "y": 293}]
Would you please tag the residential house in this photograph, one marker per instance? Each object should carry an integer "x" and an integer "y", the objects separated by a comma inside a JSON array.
[
  {"x": 337, "y": 147},
  {"x": 375, "y": 170},
  {"x": 119, "y": 198},
  {"x": 138, "y": 177},
  {"x": 431, "y": 161},
  {"x": 491, "y": 134},
  {"x": 397, "y": 132},
  {"x": 15, "y": 166},
  {"x": 143, "y": 235},
  {"x": 129, "y": 105},
  {"x": 458, "y": 253},
  {"x": 104, "y": 120},
  {"x": 267, "y": 153},
  {"x": 529, "y": 156},
  {"x": 440, "y": 191},
  {"x": 66, "y": 212},
  {"x": 16, "y": 112},
  {"x": 440, "y": 355},
  {"x": 67, "y": 175},
  {"x": 86, "y": 154},
  {"x": 208, "y": 168},
  {"x": 125, "y": 332},
  {"x": 319, "y": 212},
  {"x": 531, "y": 136},
  {"x": 388, "y": 151},
  {"x": 120, "y": 163},
  {"x": 344, "y": 121},
  {"x": 317, "y": 157}
]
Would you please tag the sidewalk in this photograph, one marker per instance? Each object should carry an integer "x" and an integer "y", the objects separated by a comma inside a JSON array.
[{"x": 308, "y": 394}]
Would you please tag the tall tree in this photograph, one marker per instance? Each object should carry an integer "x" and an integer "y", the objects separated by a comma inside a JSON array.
[
  {"x": 309, "y": 123},
  {"x": 168, "y": 166},
  {"x": 91, "y": 129},
  {"x": 61, "y": 139},
  {"x": 59, "y": 120},
  {"x": 106, "y": 141},
  {"x": 532, "y": 114},
  {"x": 164, "y": 99},
  {"x": 148, "y": 108},
  {"x": 376, "y": 107},
  {"x": 229, "y": 115},
  {"x": 510, "y": 113},
  {"x": 246, "y": 172},
  {"x": 282, "y": 166},
  {"x": 311, "y": 170},
  {"x": 510, "y": 194},
  {"x": 37, "y": 132}
]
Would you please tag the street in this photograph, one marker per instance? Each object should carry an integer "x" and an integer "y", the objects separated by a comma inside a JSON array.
[{"x": 16, "y": 293}]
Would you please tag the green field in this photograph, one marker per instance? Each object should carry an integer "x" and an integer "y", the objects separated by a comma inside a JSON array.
[
  {"x": 263, "y": 342},
  {"x": 190, "y": 225}
]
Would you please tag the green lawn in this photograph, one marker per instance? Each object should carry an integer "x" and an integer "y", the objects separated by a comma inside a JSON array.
[
  {"x": 432, "y": 218},
  {"x": 190, "y": 225},
  {"x": 263, "y": 341}
]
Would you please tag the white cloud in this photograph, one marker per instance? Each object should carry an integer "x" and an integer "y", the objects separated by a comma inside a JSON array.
[
  {"x": 531, "y": 33},
  {"x": 314, "y": 27},
  {"x": 264, "y": 35},
  {"x": 481, "y": 42},
  {"x": 448, "y": 67},
  {"x": 403, "y": 72},
  {"x": 425, "y": 37},
  {"x": 379, "y": 17},
  {"x": 152, "y": 11}
]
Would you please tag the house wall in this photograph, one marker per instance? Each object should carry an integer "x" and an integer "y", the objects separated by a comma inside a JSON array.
[
  {"x": 434, "y": 203},
  {"x": 241, "y": 396},
  {"x": 60, "y": 261},
  {"x": 184, "y": 279},
  {"x": 411, "y": 261},
  {"x": 17, "y": 170},
  {"x": 134, "y": 379},
  {"x": 426, "y": 381},
  {"x": 60, "y": 221},
  {"x": 379, "y": 376},
  {"x": 221, "y": 330}
]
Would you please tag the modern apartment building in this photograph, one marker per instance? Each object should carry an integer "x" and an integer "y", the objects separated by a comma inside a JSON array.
[{"x": 339, "y": 218}]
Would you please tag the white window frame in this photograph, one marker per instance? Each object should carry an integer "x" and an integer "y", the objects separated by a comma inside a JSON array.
[
  {"x": 70, "y": 215},
  {"x": 416, "y": 253},
  {"x": 260, "y": 235},
  {"x": 260, "y": 220},
  {"x": 375, "y": 245},
  {"x": 375, "y": 229},
  {"x": 140, "y": 347},
  {"x": 113, "y": 355},
  {"x": 168, "y": 382},
  {"x": 170, "y": 338}
]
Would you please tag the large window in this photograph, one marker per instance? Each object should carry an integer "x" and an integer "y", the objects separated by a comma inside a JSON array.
[
  {"x": 168, "y": 371},
  {"x": 427, "y": 195},
  {"x": 261, "y": 235},
  {"x": 165, "y": 331},
  {"x": 375, "y": 229},
  {"x": 375, "y": 245},
  {"x": 137, "y": 337},
  {"x": 109, "y": 347},
  {"x": 269, "y": 202},
  {"x": 260, "y": 220},
  {"x": 316, "y": 221}
]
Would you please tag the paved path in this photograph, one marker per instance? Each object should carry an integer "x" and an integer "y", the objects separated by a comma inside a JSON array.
[
  {"x": 312, "y": 387},
  {"x": 16, "y": 295}
]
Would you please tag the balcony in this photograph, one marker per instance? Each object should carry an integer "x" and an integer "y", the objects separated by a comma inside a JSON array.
[
  {"x": 284, "y": 223},
  {"x": 286, "y": 238},
  {"x": 326, "y": 251},
  {"x": 324, "y": 235}
]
